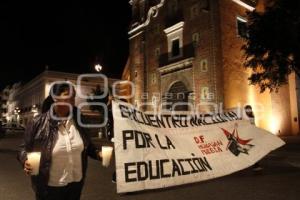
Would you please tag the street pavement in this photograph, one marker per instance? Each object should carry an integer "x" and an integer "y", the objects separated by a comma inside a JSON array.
[{"x": 280, "y": 179}]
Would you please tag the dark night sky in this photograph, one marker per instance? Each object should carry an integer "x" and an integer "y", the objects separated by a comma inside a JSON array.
[{"x": 69, "y": 36}]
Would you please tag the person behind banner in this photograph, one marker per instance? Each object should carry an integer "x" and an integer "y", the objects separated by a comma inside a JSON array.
[
  {"x": 251, "y": 117},
  {"x": 250, "y": 114},
  {"x": 61, "y": 146}
]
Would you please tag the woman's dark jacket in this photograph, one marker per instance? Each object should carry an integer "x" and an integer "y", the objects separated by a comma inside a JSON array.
[{"x": 41, "y": 135}]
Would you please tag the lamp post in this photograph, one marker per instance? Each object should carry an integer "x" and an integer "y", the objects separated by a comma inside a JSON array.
[
  {"x": 98, "y": 68},
  {"x": 34, "y": 110},
  {"x": 17, "y": 112}
]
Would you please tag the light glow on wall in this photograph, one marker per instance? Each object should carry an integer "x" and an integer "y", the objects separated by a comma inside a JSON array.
[
  {"x": 265, "y": 116},
  {"x": 274, "y": 123}
]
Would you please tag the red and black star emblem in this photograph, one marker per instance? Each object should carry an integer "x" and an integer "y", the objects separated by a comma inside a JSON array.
[{"x": 237, "y": 145}]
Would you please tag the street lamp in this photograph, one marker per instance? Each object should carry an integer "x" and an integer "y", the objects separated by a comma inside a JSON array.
[
  {"x": 98, "y": 67},
  {"x": 34, "y": 110},
  {"x": 17, "y": 112}
]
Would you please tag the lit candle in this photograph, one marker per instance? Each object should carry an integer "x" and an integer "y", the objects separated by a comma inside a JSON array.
[
  {"x": 106, "y": 155},
  {"x": 34, "y": 161}
]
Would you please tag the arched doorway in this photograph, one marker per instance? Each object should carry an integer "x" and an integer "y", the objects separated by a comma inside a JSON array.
[{"x": 177, "y": 97}]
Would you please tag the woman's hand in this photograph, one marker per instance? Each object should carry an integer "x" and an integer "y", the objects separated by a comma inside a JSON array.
[{"x": 28, "y": 168}]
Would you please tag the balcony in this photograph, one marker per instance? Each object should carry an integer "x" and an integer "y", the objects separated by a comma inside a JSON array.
[
  {"x": 186, "y": 52},
  {"x": 248, "y": 4}
]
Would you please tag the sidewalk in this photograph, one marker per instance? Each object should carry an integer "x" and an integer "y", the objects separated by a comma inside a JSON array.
[{"x": 278, "y": 180}]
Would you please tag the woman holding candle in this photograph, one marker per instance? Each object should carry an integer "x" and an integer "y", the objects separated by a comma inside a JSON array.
[{"x": 63, "y": 145}]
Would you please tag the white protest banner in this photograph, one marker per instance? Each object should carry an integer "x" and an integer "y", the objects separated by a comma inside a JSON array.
[{"x": 157, "y": 151}]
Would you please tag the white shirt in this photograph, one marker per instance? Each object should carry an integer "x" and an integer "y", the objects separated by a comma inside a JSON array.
[{"x": 66, "y": 165}]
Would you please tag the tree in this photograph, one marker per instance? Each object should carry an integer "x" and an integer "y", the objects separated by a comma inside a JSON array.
[{"x": 272, "y": 48}]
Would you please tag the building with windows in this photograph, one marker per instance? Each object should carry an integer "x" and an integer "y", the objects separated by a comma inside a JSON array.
[
  {"x": 8, "y": 107},
  {"x": 188, "y": 52},
  {"x": 3, "y": 104},
  {"x": 28, "y": 99}
]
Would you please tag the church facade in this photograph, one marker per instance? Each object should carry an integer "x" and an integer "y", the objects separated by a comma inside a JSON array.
[{"x": 186, "y": 55}]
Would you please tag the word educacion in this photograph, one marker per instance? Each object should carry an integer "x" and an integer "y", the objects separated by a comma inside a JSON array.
[{"x": 165, "y": 168}]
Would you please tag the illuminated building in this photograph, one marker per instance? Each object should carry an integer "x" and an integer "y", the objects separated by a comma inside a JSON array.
[{"x": 190, "y": 51}]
